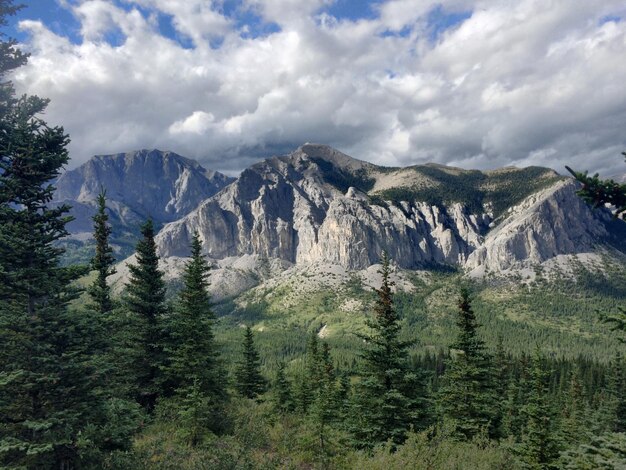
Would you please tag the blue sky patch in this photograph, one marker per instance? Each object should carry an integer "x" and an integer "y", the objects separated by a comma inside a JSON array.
[
  {"x": 610, "y": 18},
  {"x": 58, "y": 19},
  {"x": 246, "y": 19},
  {"x": 167, "y": 29},
  {"x": 440, "y": 20},
  {"x": 353, "y": 10},
  {"x": 62, "y": 22}
]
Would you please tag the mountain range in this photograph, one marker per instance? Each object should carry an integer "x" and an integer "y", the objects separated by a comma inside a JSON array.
[{"x": 318, "y": 205}]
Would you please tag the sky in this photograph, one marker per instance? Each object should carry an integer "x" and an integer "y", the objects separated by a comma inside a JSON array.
[{"x": 472, "y": 83}]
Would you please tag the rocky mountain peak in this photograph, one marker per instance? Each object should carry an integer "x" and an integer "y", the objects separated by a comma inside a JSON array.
[
  {"x": 140, "y": 184},
  {"x": 329, "y": 154}
]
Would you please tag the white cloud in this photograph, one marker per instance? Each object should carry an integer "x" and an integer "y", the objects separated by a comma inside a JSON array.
[{"x": 519, "y": 82}]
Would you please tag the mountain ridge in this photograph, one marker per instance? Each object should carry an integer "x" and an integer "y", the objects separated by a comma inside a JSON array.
[{"x": 320, "y": 205}]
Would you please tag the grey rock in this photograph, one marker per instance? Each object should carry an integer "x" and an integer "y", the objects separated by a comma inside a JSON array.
[
  {"x": 141, "y": 184},
  {"x": 304, "y": 208}
]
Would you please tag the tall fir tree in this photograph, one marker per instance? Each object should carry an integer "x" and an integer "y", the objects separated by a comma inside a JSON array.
[
  {"x": 540, "y": 445},
  {"x": 194, "y": 367},
  {"x": 46, "y": 390},
  {"x": 575, "y": 414},
  {"x": 103, "y": 260},
  {"x": 248, "y": 379},
  {"x": 616, "y": 394},
  {"x": 516, "y": 397},
  {"x": 467, "y": 397},
  {"x": 282, "y": 391},
  {"x": 310, "y": 381},
  {"x": 324, "y": 410},
  {"x": 145, "y": 300},
  {"x": 391, "y": 398},
  {"x": 11, "y": 58}
]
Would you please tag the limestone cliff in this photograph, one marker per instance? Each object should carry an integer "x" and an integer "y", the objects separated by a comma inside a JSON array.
[{"x": 319, "y": 205}]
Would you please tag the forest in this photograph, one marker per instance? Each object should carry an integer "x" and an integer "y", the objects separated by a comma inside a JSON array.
[{"x": 143, "y": 380}]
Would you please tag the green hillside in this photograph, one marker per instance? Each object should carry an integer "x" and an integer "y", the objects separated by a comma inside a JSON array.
[{"x": 563, "y": 316}]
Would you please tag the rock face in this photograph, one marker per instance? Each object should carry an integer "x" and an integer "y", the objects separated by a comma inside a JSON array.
[
  {"x": 319, "y": 205},
  {"x": 162, "y": 185},
  {"x": 547, "y": 224}
]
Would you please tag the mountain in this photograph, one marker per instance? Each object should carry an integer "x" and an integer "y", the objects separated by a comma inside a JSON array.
[
  {"x": 318, "y": 205},
  {"x": 140, "y": 184}
]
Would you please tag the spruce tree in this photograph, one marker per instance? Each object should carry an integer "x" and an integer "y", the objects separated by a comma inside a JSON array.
[
  {"x": 283, "y": 397},
  {"x": 103, "y": 260},
  {"x": 467, "y": 397},
  {"x": 311, "y": 380},
  {"x": 324, "y": 409},
  {"x": 390, "y": 398},
  {"x": 540, "y": 446},
  {"x": 194, "y": 367},
  {"x": 575, "y": 412},
  {"x": 248, "y": 379},
  {"x": 615, "y": 404},
  {"x": 145, "y": 301},
  {"x": 46, "y": 393}
]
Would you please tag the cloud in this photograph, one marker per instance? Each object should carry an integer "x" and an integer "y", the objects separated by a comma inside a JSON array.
[{"x": 523, "y": 83}]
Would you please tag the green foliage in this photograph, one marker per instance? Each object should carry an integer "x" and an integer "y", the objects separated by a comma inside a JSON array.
[
  {"x": 11, "y": 58},
  {"x": 539, "y": 448},
  {"x": 193, "y": 360},
  {"x": 282, "y": 391},
  {"x": 598, "y": 192},
  {"x": 248, "y": 379},
  {"x": 145, "y": 301},
  {"x": 606, "y": 452},
  {"x": 475, "y": 189},
  {"x": 390, "y": 399},
  {"x": 47, "y": 387},
  {"x": 443, "y": 452},
  {"x": 468, "y": 397},
  {"x": 103, "y": 260}
]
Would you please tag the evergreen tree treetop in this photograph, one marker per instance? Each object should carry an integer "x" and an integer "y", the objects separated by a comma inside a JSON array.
[
  {"x": 390, "y": 398},
  {"x": 103, "y": 260},
  {"x": 146, "y": 287},
  {"x": 145, "y": 299},
  {"x": 467, "y": 397},
  {"x": 248, "y": 379},
  {"x": 193, "y": 354}
]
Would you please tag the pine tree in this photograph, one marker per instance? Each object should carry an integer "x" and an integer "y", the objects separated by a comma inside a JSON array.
[
  {"x": 311, "y": 381},
  {"x": 574, "y": 427},
  {"x": 46, "y": 398},
  {"x": 193, "y": 354},
  {"x": 516, "y": 397},
  {"x": 540, "y": 447},
  {"x": 501, "y": 376},
  {"x": 616, "y": 390},
  {"x": 11, "y": 58},
  {"x": 283, "y": 397},
  {"x": 467, "y": 397},
  {"x": 248, "y": 379},
  {"x": 324, "y": 408},
  {"x": 103, "y": 260},
  {"x": 194, "y": 367},
  {"x": 145, "y": 301},
  {"x": 390, "y": 398}
]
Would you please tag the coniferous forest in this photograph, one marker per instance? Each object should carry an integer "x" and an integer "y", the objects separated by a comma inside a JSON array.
[{"x": 142, "y": 380}]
